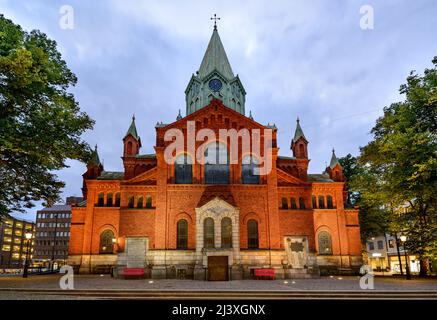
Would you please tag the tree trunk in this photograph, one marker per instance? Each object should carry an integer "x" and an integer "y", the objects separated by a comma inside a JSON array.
[{"x": 423, "y": 267}]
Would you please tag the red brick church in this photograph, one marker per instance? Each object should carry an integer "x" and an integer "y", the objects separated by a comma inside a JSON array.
[{"x": 181, "y": 214}]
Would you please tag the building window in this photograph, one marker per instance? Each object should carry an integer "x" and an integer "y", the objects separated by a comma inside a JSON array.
[
  {"x": 117, "y": 200},
  {"x": 106, "y": 242},
  {"x": 301, "y": 203},
  {"x": 391, "y": 244},
  {"x": 293, "y": 203},
  {"x": 182, "y": 234},
  {"x": 148, "y": 202},
  {"x": 216, "y": 164},
  {"x": 226, "y": 233},
  {"x": 371, "y": 246},
  {"x": 314, "y": 201},
  {"x": 100, "y": 200},
  {"x": 208, "y": 233},
  {"x": 284, "y": 203},
  {"x": 329, "y": 202},
  {"x": 252, "y": 234},
  {"x": 321, "y": 202},
  {"x": 380, "y": 245},
  {"x": 140, "y": 202},
  {"x": 131, "y": 202},
  {"x": 249, "y": 170},
  {"x": 183, "y": 169},
  {"x": 325, "y": 243},
  {"x": 109, "y": 200}
]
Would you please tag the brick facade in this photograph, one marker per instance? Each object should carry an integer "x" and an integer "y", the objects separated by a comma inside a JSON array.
[
  {"x": 157, "y": 218},
  {"x": 284, "y": 218}
]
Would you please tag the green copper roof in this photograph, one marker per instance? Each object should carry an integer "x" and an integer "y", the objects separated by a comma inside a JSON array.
[
  {"x": 111, "y": 175},
  {"x": 95, "y": 157},
  {"x": 299, "y": 132},
  {"x": 215, "y": 58},
  {"x": 319, "y": 178},
  {"x": 132, "y": 130},
  {"x": 334, "y": 161}
]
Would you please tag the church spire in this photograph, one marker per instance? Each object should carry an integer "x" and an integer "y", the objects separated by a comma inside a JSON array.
[
  {"x": 298, "y": 133},
  {"x": 215, "y": 58},
  {"x": 299, "y": 144},
  {"x": 215, "y": 79},
  {"x": 95, "y": 160},
  {"x": 132, "y": 129},
  {"x": 334, "y": 161}
]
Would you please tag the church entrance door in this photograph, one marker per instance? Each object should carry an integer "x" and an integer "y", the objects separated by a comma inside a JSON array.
[{"x": 218, "y": 268}]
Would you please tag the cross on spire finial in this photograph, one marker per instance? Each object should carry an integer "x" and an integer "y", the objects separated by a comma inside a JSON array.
[{"x": 215, "y": 18}]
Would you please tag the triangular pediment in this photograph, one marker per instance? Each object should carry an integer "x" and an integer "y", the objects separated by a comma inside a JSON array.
[
  {"x": 216, "y": 107},
  {"x": 149, "y": 175},
  {"x": 217, "y": 205},
  {"x": 287, "y": 178}
]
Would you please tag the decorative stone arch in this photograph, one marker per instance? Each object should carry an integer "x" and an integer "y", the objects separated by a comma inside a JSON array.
[
  {"x": 106, "y": 227},
  {"x": 249, "y": 216},
  {"x": 217, "y": 209},
  {"x": 182, "y": 215}
]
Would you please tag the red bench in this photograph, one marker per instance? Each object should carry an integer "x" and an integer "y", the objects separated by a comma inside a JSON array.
[
  {"x": 131, "y": 273},
  {"x": 265, "y": 273}
]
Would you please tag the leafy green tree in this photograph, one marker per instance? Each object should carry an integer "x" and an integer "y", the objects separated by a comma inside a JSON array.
[
  {"x": 362, "y": 188},
  {"x": 40, "y": 121},
  {"x": 403, "y": 155}
]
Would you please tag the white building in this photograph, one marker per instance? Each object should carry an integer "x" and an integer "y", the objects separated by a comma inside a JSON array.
[{"x": 383, "y": 255}]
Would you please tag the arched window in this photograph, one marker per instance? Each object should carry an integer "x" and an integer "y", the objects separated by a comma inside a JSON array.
[
  {"x": 284, "y": 203},
  {"x": 101, "y": 200},
  {"x": 109, "y": 200},
  {"x": 329, "y": 203},
  {"x": 208, "y": 233},
  {"x": 252, "y": 234},
  {"x": 182, "y": 234},
  {"x": 140, "y": 202},
  {"x": 106, "y": 242},
  {"x": 301, "y": 203},
  {"x": 148, "y": 202},
  {"x": 131, "y": 202},
  {"x": 183, "y": 169},
  {"x": 325, "y": 243},
  {"x": 249, "y": 170},
  {"x": 293, "y": 203},
  {"x": 226, "y": 233},
  {"x": 314, "y": 201},
  {"x": 321, "y": 202},
  {"x": 129, "y": 147},
  {"x": 117, "y": 199},
  {"x": 216, "y": 164}
]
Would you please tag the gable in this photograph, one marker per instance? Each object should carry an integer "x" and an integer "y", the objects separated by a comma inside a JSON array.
[
  {"x": 147, "y": 177},
  {"x": 285, "y": 178},
  {"x": 212, "y": 113}
]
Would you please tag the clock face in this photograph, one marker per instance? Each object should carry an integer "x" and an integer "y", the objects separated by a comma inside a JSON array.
[{"x": 215, "y": 85}]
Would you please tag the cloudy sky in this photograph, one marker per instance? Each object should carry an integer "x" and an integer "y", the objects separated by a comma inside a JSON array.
[{"x": 295, "y": 58}]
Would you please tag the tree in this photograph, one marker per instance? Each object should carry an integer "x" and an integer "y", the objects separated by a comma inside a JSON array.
[
  {"x": 40, "y": 121},
  {"x": 362, "y": 189},
  {"x": 403, "y": 155}
]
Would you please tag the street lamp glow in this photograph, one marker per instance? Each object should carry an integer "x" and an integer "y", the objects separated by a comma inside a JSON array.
[
  {"x": 403, "y": 238},
  {"x": 114, "y": 240}
]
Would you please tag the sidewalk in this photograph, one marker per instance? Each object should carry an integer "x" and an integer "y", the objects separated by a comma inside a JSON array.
[{"x": 96, "y": 282}]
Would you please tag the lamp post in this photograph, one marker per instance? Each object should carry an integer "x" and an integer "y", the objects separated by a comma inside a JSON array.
[
  {"x": 407, "y": 267},
  {"x": 28, "y": 236}
]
